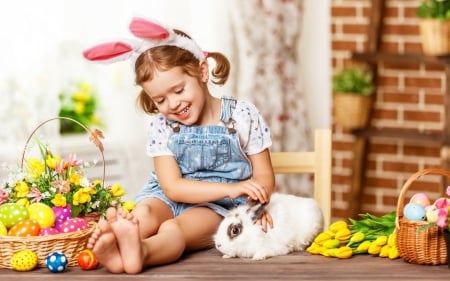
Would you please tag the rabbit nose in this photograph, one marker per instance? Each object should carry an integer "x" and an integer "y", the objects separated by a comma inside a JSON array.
[{"x": 218, "y": 245}]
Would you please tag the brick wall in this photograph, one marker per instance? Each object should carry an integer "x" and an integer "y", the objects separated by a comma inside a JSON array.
[{"x": 409, "y": 95}]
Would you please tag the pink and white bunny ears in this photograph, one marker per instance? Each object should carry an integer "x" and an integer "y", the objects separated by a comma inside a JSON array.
[{"x": 153, "y": 35}]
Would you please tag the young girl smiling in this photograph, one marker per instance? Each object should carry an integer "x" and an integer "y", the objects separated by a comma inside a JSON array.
[{"x": 210, "y": 154}]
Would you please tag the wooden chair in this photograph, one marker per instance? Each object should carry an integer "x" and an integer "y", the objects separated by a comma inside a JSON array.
[{"x": 316, "y": 162}]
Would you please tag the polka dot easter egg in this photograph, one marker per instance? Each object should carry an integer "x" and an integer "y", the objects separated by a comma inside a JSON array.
[
  {"x": 25, "y": 228},
  {"x": 61, "y": 215},
  {"x": 12, "y": 213},
  {"x": 24, "y": 260},
  {"x": 48, "y": 231},
  {"x": 56, "y": 262},
  {"x": 3, "y": 230},
  {"x": 73, "y": 224}
]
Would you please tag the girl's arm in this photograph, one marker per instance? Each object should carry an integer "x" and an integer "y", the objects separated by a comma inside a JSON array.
[{"x": 179, "y": 189}]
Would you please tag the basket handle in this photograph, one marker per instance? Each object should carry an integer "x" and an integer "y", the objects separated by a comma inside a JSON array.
[
  {"x": 94, "y": 136},
  {"x": 411, "y": 179}
]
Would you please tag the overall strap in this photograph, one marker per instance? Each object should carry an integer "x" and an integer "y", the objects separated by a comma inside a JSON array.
[{"x": 228, "y": 106}]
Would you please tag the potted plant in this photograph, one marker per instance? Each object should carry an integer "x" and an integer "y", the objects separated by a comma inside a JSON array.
[
  {"x": 353, "y": 90},
  {"x": 434, "y": 23}
]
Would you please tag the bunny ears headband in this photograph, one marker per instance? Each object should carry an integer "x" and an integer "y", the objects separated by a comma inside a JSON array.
[{"x": 152, "y": 34}]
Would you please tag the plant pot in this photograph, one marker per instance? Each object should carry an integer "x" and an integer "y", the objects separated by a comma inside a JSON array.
[
  {"x": 352, "y": 111},
  {"x": 435, "y": 36}
]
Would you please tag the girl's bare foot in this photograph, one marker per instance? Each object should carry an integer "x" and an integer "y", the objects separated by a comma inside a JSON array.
[
  {"x": 103, "y": 245},
  {"x": 126, "y": 229}
]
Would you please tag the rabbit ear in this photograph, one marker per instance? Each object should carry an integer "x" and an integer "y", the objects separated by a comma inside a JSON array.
[
  {"x": 256, "y": 211},
  {"x": 108, "y": 52},
  {"x": 145, "y": 29}
]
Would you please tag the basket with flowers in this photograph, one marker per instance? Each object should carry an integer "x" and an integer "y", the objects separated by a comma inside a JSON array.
[{"x": 44, "y": 202}]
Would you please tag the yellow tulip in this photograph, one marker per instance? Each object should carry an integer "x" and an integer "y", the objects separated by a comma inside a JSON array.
[
  {"x": 374, "y": 249},
  {"x": 393, "y": 253},
  {"x": 343, "y": 234},
  {"x": 344, "y": 252},
  {"x": 357, "y": 237},
  {"x": 381, "y": 240},
  {"x": 384, "y": 252},
  {"x": 338, "y": 225},
  {"x": 330, "y": 252},
  {"x": 322, "y": 237},
  {"x": 332, "y": 243},
  {"x": 363, "y": 247}
]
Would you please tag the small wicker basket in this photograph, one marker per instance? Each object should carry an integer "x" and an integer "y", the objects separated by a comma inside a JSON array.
[
  {"x": 419, "y": 247},
  {"x": 70, "y": 243},
  {"x": 435, "y": 36},
  {"x": 352, "y": 111}
]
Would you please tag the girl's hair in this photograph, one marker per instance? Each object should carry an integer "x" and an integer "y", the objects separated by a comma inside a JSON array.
[{"x": 165, "y": 57}]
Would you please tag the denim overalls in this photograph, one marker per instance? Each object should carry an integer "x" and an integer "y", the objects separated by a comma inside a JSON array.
[{"x": 206, "y": 153}]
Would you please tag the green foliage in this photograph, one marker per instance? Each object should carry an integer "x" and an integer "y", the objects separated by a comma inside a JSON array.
[
  {"x": 78, "y": 103},
  {"x": 355, "y": 80},
  {"x": 434, "y": 9}
]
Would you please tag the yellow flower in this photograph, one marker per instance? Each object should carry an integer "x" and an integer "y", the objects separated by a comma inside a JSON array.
[
  {"x": 36, "y": 167},
  {"x": 59, "y": 200},
  {"x": 79, "y": 108},
  {"x": 52, "y": 161},
  {"x": 75, "y": 178},
  {"x": 24, "y": 202},
  {"x": 128, "y": 206},
  {"x": 83, "y": 195},
  {"x": 117, "y": 190},
  {"x": 22, "y": 189}
]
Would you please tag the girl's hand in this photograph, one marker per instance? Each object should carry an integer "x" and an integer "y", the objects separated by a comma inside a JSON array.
[
  {"x": 265, "y": 220},
  {"x": 250, "y": 188}
]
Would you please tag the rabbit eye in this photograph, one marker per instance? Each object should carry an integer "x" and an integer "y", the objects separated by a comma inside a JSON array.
[{"x": 234, "y": 230}]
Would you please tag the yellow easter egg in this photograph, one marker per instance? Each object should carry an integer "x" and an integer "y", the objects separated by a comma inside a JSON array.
[
  {"x": 3, "y": 230},
  {"x": 42, "y": 214},
  {"x": 24, "y": 260}
]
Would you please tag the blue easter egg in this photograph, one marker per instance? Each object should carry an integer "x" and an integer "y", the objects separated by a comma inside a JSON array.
[
  {"x": 414, "y": 212},
  {"x": 56, "y": 262}
]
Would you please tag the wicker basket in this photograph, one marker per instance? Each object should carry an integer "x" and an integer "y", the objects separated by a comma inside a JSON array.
[
  {"x": 70, "y": 243},
  {"x": 419, "y": 247},
  {"x": 352, "y": 111},
  {"x": 435, "y": 36}
]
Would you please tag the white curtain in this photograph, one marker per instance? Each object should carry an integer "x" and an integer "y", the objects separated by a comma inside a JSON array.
[{"x": 266, "y": 43}]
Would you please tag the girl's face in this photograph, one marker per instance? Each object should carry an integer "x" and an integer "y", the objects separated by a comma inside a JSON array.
[{"x": 178, "y": 96}]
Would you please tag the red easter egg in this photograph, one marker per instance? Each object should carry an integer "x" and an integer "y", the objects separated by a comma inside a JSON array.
[
  {"x": 25, "y": 228},
  {"x": 87, "y": 260},
  {"x": 73, "y": 224}
]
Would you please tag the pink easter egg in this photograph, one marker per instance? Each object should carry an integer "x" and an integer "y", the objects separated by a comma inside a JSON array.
[
  {"x": 73, "y": 224},
  {"x": 420, "y": 198},
  {"x": 62, "y": 213},
  {"x": 46, "y": 231}
]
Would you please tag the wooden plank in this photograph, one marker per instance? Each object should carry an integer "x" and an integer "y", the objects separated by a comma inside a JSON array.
[{"x": 209, "y": 265}]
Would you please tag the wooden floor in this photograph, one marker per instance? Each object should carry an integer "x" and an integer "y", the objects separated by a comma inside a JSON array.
[{"x": 209, "y": 265}]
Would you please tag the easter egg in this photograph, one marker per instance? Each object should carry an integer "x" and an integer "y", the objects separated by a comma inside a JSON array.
[
  {"x": 73, "y": 224},
  {"x": 24, "y": 260},
  {"x": 12, "y": 213},
  {"x": 25, "y": 228},
  {"x": 414, "y": 212},
  {"x": 42, "y": 214},
  {"x": 420, "y": 198},
  {"x": 3, "y": 230},
  {"x": 56, "y": 262},
  {"x": 61, "y": 215},
  {"x": 46, "y": 231},
  {"x": 87, "y": 260}
]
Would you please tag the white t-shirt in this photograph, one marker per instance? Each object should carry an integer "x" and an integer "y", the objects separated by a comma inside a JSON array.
[{"x": 254, "y": 135}]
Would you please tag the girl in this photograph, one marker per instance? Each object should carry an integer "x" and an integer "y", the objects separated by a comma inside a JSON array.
[{"x": 210, "y": 154}]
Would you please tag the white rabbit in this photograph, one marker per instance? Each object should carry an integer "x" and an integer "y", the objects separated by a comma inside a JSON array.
[{"x": 296, "y": 222}]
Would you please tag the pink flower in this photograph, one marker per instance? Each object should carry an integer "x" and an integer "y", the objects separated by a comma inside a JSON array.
[
  {"x": 442, "y": 220},
  {"x": 3, "y": 195},
  {"x": 35, "y": 195}
]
